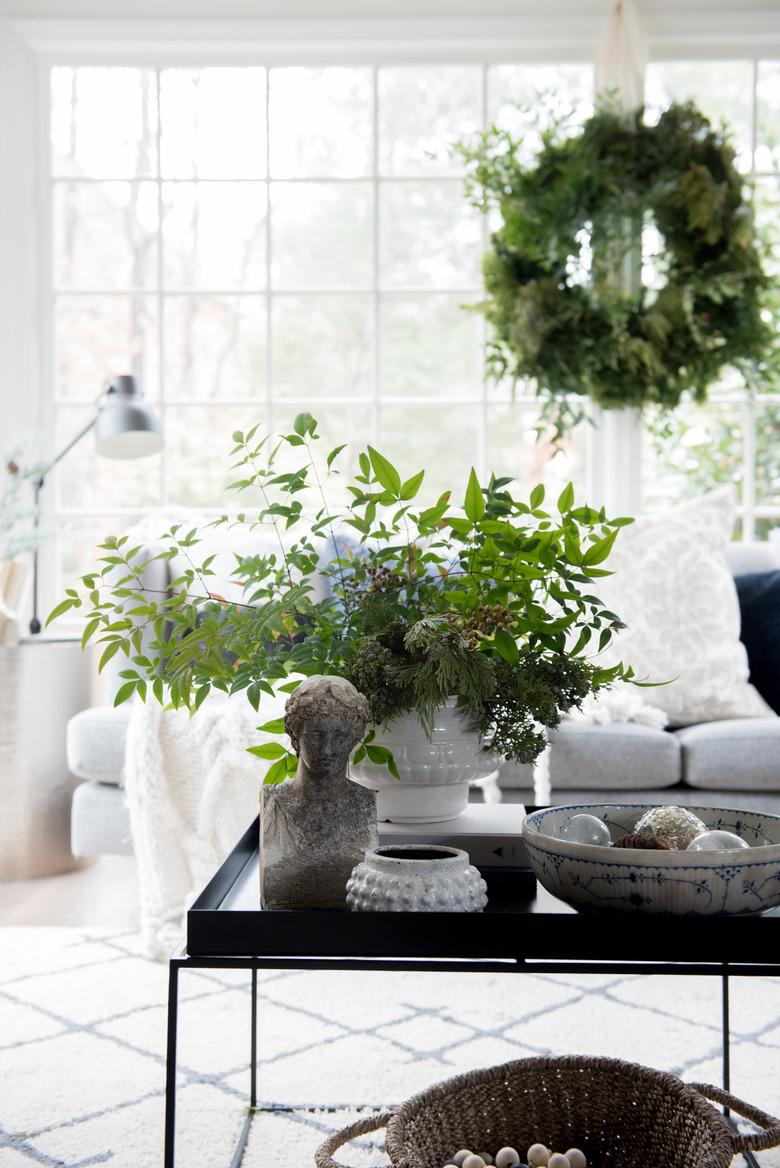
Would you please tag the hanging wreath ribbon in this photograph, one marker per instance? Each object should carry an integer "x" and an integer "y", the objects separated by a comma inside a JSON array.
[{"x": 562, "y": 309}]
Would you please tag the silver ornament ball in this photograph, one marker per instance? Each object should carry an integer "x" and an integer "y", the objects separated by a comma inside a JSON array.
[
  {"x": 717, "y": 841},
  {"x": 677, "y": 825}
]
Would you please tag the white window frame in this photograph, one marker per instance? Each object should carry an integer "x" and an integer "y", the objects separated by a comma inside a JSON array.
[{"x": 560, "y": 30}]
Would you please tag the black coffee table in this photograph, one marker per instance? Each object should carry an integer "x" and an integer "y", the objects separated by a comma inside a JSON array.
[{"x": 227, "y": 929}]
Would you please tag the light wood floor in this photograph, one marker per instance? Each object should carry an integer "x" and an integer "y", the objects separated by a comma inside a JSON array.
[{"x": 102, "y": 893}]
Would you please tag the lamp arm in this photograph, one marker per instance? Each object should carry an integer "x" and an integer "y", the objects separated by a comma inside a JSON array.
[
  {"x": 65, "y": 450},
  {"x": 38, "y": 482}
]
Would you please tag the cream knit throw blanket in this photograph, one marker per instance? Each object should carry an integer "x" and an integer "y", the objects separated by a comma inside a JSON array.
[{"x": 192, "y": 790}]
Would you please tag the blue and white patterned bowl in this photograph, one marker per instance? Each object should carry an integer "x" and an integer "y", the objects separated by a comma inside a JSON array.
[{"x": 640, "y": 880}]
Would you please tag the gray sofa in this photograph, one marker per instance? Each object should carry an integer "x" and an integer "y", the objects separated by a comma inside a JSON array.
[{"x": 739, "y": 756}]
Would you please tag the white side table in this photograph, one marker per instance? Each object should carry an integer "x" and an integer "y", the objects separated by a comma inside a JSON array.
[{"x": 43, "y": 683}]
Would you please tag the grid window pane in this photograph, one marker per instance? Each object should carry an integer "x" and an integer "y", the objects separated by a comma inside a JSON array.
[
  {"x": 215, "y": 347},
  {"x": 513, "y": 450},
  {"x": 423, "y": 110},
  {"x": 97, "y": 336},
  {"x": 429, "y": 237},
  {"x": 322, "y": 346},
  {"x": 768, "y": 116},
  {"x": 430, "y": 345},
  {"x": 87, "y": 481},
  {"x": 213, "y": 123},
  {"x": 103, "y": 122},
  {"x": 527, "y": 99},
  {"x": 767, "y": 423},
  {"x": 105, "y": 235},
  {"x": 321, "y": 122},
  {"x": 214, "y": 235},
  {"x": 321, "y": 235},
  {"x": 696, "y": 448},
  {"x": 443, "y": 441},
  {"x": 198, "y": 445},
  {"x": 78, "y": 538},
  {"x": 723, "y": 90}
]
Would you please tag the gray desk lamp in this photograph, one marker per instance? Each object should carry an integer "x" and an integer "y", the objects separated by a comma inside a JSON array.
[{"x": 125, "y": 427}]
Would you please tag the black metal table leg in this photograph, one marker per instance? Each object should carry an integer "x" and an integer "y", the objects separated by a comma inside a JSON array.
[
  {"x": 238, "y": 1154},
  {"x": 170, "y": 1063},
  {"x": 726, "y": 1032},
  {"x": 748, "y": 1157},
  {"x": 253, "y": 1072}
]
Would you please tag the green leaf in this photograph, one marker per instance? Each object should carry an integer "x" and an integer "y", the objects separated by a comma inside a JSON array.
[
  {"x": 474, "y": 504},
  {"x": 412, "y": 485},
  {"x": 276, "y": 773},
  {"x": 359, "y": 755},
  {"x": 89, "y": 629},
  {"x": 598, "y": 552},
  {"x": 537, "y": 496},
  {"x": 275, "y": 726},
  {"x": 605, "y": 638},
  {"x": 305, "y": 424},
  {"x": 506, "y": 647},
  {"x": 365, "y": 463},
  {"x": 335, "y": 453},
  {"x": 385, "y": 472},
  {"x": 62, "y": 607},
  {"x": 268, "y": 750},
  {"x": 566, "y": 498},
  {"x": 109, "y": 652},
  {"x": 124, "y": 692},
  {"x": 201, "y": 694}
]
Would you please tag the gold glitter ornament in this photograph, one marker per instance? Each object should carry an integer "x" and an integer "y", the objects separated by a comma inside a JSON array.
[{"x": 677, "y": 825}]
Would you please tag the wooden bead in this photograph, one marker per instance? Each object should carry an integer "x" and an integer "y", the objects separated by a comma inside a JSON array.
[
  {"x": 576, "y": 1158},
  {"x": 538, "y": 1156},
  {"x": 506, "y": 1158}
]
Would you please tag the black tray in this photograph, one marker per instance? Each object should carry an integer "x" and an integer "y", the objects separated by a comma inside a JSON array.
[{"x": 523, "y": 922}]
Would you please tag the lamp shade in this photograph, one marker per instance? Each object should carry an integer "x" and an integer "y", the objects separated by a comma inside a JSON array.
[{"x": 125, "y": 426}]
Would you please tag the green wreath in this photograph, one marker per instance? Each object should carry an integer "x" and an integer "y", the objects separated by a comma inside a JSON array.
[{"x": 599, "y": 334}]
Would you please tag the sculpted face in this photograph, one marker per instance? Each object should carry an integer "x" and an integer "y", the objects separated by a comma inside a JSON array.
[{"x": 326, "y": 743}]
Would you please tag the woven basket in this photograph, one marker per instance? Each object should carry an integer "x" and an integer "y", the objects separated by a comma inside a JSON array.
[{"x": 622, "y": 1116}]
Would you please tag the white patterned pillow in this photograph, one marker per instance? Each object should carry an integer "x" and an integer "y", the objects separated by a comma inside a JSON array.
[{"x": 673, "y": 588}]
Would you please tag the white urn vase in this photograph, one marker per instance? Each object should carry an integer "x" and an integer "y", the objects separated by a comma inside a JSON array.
[
  {"x": 434, "y": 773},
  {"x": 416, "y": 878}
]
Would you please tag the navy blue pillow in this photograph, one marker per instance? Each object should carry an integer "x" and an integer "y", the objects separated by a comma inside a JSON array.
[{"x": 759, "y": 602}]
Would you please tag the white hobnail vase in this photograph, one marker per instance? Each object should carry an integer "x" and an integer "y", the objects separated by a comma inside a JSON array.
[
  {"x": 416, "y": 878},
  {"x": 434, "y": 772}
]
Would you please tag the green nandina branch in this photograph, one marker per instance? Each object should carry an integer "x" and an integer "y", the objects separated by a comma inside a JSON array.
[{"x": 491, "y": 606}]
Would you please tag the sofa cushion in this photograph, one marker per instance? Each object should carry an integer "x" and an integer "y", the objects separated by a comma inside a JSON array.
[
  {"x": 740, "y": 753},
  {"x": 622, "y": 756},
  {"x": 759, "y": 603},
  {"x": 100, "y": 822},
  {"x": 673, "y": 588},
  {"x": 96, "y": 744}
]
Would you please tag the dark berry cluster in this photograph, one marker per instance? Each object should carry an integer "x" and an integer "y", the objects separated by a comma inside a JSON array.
[
  {"x": 380, "y": 578},
  {"x": 487, "y": 619}
]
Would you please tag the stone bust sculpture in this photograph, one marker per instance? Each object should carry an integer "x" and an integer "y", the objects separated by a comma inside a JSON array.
[{"x": 317, "y": 826}]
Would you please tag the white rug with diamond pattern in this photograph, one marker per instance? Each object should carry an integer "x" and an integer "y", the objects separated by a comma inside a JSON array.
[{"x": 82, "y": 1047}]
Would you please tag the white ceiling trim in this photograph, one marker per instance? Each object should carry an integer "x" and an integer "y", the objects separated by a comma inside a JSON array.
[{"x": 552, "y": 31}]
